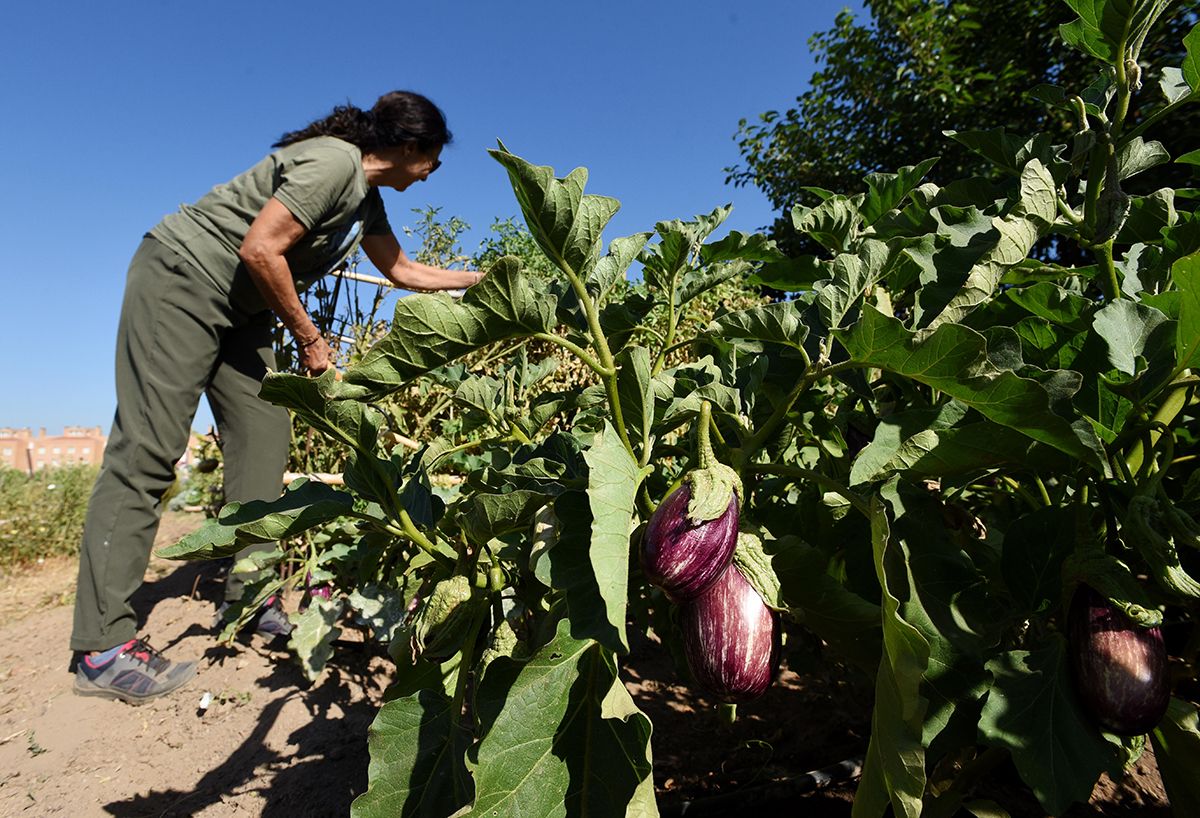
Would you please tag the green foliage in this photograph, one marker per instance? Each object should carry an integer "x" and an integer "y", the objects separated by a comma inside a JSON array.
[
  {"x": 890, "y": 85},
  {"x": 932, "y": 444},
  {"x": 41, "y": 516}
]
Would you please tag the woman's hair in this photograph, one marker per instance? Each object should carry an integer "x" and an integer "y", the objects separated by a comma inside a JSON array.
[{"x": 397, "y": 118}]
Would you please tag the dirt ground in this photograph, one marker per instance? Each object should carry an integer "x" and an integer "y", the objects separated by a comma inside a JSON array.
[{"x": 270, "y": 744}]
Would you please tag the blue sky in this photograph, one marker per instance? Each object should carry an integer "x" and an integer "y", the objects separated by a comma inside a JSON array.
[{"x": 115, "y": 113}]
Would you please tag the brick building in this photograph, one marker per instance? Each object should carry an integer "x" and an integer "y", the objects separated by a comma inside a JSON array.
[{"x": 21, "y": 449}]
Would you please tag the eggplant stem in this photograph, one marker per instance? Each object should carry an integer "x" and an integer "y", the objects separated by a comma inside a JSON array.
[{"x": 727, "y": 713}]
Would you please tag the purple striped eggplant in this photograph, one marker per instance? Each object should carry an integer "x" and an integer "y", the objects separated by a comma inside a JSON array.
[
  {"x": 684, "y": 557},
  {"x": 731, "y": 639},
  {"x": 1119, "y": 668}
]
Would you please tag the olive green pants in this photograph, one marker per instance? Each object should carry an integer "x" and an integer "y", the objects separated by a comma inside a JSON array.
[{"x": 178, "y": 338}]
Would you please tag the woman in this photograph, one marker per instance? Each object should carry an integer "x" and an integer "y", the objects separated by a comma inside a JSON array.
[{"x": 203, "y": 293}]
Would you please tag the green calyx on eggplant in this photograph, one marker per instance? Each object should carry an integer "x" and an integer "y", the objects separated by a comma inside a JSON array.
[
  {"x": 1150, "y": 529},
  {"x": 440, "y": 624},
  {"x": 691, "y": 536},
  {"x": 1119, "y": 669},
  {"x": 1113, "y": 579},
  {"x": 731, "y": 639}
]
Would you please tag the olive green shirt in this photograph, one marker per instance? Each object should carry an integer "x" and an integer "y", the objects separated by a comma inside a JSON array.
[{"x": 320, "y": 180}]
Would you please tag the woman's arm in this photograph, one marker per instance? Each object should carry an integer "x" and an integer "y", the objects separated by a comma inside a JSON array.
[
  {"x": 389, "y": 258},
  {"x": 271, "y": 234}
]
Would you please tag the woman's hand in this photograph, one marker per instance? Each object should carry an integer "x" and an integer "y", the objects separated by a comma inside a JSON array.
[{"x": 315, "y": 354}]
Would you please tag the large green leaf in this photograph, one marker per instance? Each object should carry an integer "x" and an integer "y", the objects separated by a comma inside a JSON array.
[
  {"x": 566, "y": 223},
  {"x": 1009, "y": 151},
  {"x": 482, "y": 396},
  {"x": 740, "y": 246},
  {"x": 834, "y": 223},
  {"x": 778, "y": 323},
  {"x": 1032, "y": 711},
  {"x": 1191, "y": 60},
  {"x": 1087, "y": 39},
  {"x": 313, "y": 632},
  {"x": 303, "y": 506},
  {"x": 432, "y": 329},
  {"x": 1048, "y": 345},
  {"x": 842, "y": 618},
  {"x": 1186, "y": 275},
  {"x": 1054, "y": 303},
  {"x": 1174, "y": 87},
  {"x": 1138, "y": 155},
  {"x": 886, "y": 191},
  {"x": 636, "y": 390},
  {"x": 381, "y": 608},
  {"x": 561, "y": 736},
  {"x": 891, "y": 434},
  {"x": 701, "y": 281},
  {"x": 1035, "y": 546},
  {"x": 1148, "y": 217},
  {"x": 316, "y": 401},
  {"x": 684, "y": 387},
  {"x": 954, "y": 359},
  {"x": 680, "y": 241},
  {"x": 950, "y": 603},
  {"x": 1027, "y": 222},
  {"x": 620, "y": 319},
  {"x": 417, "y": 767},
  {"x": 1111, "y": 29},
  {"x": 852, "y": 276},
  {"x": 1128, "y": 329},
  {"x": 894, "y": 768},
  {"x": 613, "y": 480},
  {"x": 484, "y": 515},
  {"x": 611, "y": 268},
  {"x": 791, "y": 275},
  {"x": 1177, "y": 752},
  {"x": 952, "y": 452},
  {"x": 562, "y": 560},
  {"x": 938, "y": 263}
]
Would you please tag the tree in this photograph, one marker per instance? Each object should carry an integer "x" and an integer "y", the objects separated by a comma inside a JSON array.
[{"x": 889, "y": 88}]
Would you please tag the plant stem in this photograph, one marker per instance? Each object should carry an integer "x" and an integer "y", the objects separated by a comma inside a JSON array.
[
  {"x": 1068, "y": 212},
  {"x": 704, "y": 448},
  {"x": 576, "y": 350},
  {"x": 668, "y": 342},
  {"x": 1108, "y": 269},
  {"x": 1042, "y": 491},
  {"x": 652, "y": 331},
  {"x": 1021, "y": 490},
  {"x": 464, "y": 671},
  {"x": 1166, "y": 413},
  {"x": 1123, "y": 90},
  {"x": 408, "y": 530},
  {"x": 1095, "y": 179},
  {"x": 605, "y": 366}
]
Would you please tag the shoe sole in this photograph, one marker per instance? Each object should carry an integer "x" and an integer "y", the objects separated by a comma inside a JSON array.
[{"x": 83, "y": 688}]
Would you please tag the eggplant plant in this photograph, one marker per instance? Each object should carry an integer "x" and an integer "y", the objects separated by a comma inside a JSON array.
[{"x": 923, "y": 452}]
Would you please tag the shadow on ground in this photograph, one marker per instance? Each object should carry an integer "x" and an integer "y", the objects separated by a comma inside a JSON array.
[{"x": 324, "y": 766}]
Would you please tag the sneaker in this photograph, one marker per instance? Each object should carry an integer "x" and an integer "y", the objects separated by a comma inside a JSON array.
[
  {"x": 137, "y": 674},
  {"x": 271, "y": 621}
]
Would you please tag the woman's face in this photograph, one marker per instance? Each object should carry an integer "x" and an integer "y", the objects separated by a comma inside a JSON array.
[{"x": 410, "y": 165}]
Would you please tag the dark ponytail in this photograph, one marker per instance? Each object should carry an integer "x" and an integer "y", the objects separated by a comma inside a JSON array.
[{"x": 397, "y": 118}]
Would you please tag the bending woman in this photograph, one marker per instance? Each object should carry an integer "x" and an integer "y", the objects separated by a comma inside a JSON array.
[{"x": 202, "y": 296}]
